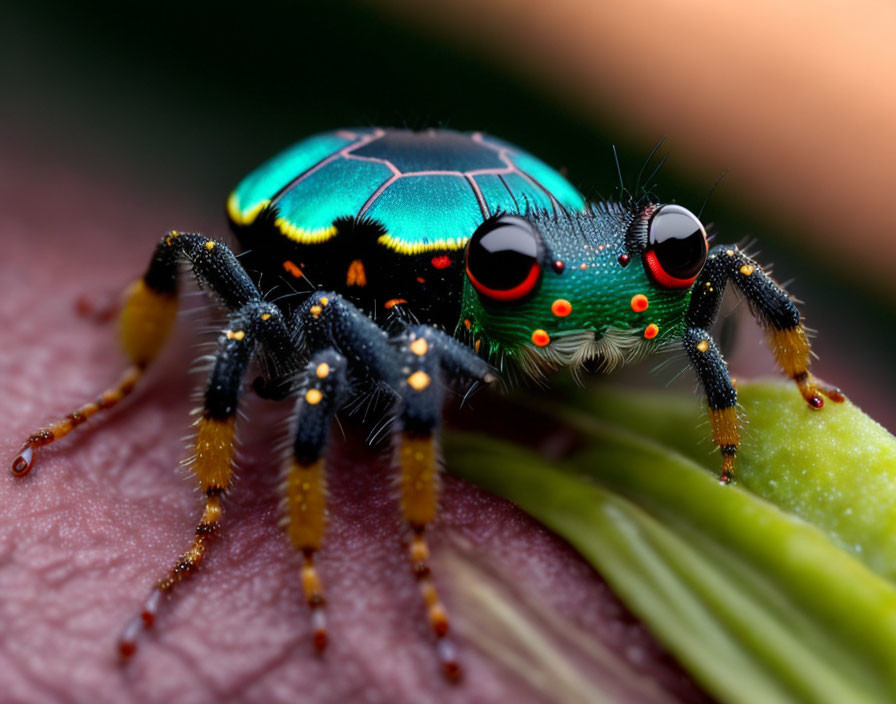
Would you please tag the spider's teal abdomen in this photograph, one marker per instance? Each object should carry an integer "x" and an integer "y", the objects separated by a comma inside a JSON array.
[
  {"x": 383, "y": 215},
  {"x": 428, "y": 189}
]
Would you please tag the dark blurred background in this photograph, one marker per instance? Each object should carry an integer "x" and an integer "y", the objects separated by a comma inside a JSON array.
[{"x": 169, "y": 104}]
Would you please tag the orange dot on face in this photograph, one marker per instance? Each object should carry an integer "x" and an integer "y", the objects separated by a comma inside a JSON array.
[
  {"x": 651, "y": 331},
  {"x": 540, "y": 338},
  {"x": 639, "y": 303},
  {"x": 561, "y": 308}
]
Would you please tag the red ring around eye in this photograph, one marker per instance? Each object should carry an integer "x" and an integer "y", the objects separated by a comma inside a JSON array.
[
  {"x": 510, "y": 294},
  {"x": 660, "y": 276}
]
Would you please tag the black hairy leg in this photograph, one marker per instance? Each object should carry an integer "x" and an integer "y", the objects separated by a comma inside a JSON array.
[
  {"x": 417, "y": 364},
  {"x": 781, "y": 320}
]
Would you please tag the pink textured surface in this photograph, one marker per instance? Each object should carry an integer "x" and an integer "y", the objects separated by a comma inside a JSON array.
[{"x": 106, "y": 510}]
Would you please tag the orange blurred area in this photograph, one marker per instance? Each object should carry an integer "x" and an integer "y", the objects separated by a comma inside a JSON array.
[{"x": 796, "y": 99}]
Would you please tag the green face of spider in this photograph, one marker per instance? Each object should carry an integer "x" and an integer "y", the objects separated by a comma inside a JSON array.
[{"x": 610, "y": 284}]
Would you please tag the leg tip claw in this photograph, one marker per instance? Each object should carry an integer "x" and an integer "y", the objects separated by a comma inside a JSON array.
[
  {"x": 22, "y": 464},
  {"x": 451, "y": 669},
  {"x": 320, "y": 641},
  {"x": 126, "y": 649},
  {"x": 814, "y": 391},
  {"x": 319, "y": 629},
  {"x": 127, "y": 642},
  {"x": 835, "y": 394}
]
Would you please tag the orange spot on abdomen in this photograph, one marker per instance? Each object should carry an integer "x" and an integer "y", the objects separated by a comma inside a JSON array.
[
  {"x": 356, "y": 276},
  {"x": 291, "y": 268}
]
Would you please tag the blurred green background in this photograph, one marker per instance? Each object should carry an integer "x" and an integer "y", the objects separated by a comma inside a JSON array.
[{"x": 180, "y": 100}]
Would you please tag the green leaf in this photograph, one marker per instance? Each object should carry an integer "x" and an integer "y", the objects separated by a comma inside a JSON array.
[
  {"x": 759, "y": 605},
  {"x": 835, "y": 468}
]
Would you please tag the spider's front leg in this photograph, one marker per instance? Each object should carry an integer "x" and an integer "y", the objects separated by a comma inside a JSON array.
[
  {"x": 418, "y": 365},
  {"x": 721, "y": 397},
  {"x": 787, "y": 337}
]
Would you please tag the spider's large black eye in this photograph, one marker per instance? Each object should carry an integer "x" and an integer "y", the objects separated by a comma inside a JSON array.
[
  {"x": 502, "y": 258},
  {"x": 676, "y": 247}
]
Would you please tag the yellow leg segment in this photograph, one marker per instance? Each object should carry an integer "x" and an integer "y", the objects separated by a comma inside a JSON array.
[
  {"x": 146, "y": 320},
  {"x": 213, "y": 467},
  {"x": 419, "y": 479},
  {"x": 305, "y": 492},
  {"x": 793, "y": 354},
  {"x": 418, "y": 459},
  {"x": 726, "y": 434}
]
